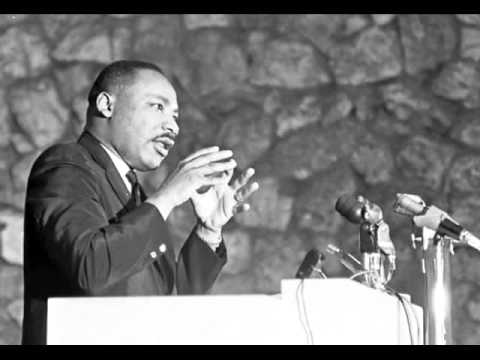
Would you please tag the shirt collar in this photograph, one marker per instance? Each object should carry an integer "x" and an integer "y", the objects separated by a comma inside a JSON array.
[{"x": 120, "y": 164}]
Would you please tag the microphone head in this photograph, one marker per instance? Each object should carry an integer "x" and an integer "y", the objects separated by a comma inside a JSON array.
[
  {"x": 309, "y": 262},
  {"x": 409, "y": 204},
  {"x": 350, "y": 207}
]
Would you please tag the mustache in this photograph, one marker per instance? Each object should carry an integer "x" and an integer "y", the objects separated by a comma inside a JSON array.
[
  {"x": 170, "y": 135},
  {"x": 162, "y": 138}
]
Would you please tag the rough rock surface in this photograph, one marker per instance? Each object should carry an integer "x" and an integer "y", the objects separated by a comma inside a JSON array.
[{"x": 319, "y": 104}]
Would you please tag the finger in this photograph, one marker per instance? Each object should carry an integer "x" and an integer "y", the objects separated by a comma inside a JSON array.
[
  {"x": 205, "y": 159},
  {"x": 201, "y": 152},
  {"x": 243, "y": 179},
  {"x": 241, "y": 208},
  {"x": 213, "y": 180},
  {"x": 245, "y": 193},
  {"x": 229, "y": 174},
  {"x": 217, "y": 167}
]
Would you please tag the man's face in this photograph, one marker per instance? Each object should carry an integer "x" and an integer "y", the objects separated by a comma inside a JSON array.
[{"x": 144, "y": 120}]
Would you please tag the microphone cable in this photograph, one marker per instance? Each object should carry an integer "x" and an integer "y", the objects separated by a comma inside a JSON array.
[
  {"x": 302, "y": 310},
  {"x": 407, "y": 315},
  {"x": 417, "y": 322}
]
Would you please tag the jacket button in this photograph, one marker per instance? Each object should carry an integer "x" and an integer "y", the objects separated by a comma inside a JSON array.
[
  {"x": 162, "y": 248},
  {"x": 153, "y": 255}
]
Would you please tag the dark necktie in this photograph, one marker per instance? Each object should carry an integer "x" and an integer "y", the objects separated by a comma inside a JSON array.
[{"x": 136, "y": 192}]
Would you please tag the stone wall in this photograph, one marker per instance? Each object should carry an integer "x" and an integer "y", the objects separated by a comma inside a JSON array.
[{"x": 320, "y": 105}]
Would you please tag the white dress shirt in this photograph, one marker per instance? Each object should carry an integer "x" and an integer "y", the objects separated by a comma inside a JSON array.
[{"x": 121, "y": 166}]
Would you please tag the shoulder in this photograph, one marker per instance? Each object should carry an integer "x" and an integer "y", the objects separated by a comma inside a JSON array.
[{"x": 68, "y": 155}]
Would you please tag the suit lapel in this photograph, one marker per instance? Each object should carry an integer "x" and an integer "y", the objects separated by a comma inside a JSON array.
[{"x": 89, "y": 142}]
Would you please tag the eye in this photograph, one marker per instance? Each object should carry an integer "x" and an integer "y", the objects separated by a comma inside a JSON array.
[{"x": 158, "y": 106}]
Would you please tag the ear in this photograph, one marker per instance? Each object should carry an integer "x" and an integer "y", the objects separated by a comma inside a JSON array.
[{"x": 105, "y": 103}]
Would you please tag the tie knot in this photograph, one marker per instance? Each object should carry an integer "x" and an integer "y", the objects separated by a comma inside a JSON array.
[{"x": 132, "y": 177}]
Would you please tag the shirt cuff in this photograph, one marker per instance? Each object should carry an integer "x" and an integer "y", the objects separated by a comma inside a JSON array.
[{"x": 211, "y": 238}]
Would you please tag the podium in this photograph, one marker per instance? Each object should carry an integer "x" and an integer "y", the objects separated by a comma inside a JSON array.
[{"x": 312, "y": 311}]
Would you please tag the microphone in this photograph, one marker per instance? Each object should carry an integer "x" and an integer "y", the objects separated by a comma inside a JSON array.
[
  {"x": 374, "y": 232},
  {"x": 375, "y": 242},
  {"x": 433, "y": 218},
  {"x": 423, "y": 216},
  {"x": 346, "y": 259},
  {"x": 351, "y": 208},
  {"x": 358, "y": 209},
  {"x": 409, "y": 204},
  {"x": 308, "y": 264}
]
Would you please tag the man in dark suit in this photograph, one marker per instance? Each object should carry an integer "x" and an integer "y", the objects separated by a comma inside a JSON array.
[{"x": 89, "y": 228}]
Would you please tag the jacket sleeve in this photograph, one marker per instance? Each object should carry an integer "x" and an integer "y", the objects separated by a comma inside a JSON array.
[
  {"x": 64, "y": 202},
  {"x": 198, "y": 266}
]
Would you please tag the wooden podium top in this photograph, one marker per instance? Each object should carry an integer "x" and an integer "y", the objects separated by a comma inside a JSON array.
[{"x": 318, "y": 311}]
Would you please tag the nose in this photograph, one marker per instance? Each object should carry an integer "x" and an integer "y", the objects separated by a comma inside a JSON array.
[{"x": 171, "y": 126}]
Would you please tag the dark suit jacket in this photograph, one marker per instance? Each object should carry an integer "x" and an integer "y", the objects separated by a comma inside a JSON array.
[{"x": 83, "y": 238}]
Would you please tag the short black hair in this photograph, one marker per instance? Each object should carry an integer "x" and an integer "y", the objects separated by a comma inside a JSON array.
[{"x": 116, "y": 74}]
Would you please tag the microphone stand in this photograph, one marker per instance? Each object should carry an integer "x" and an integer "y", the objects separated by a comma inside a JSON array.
[
  {"x": 376, "y": 246},
  {"x": 437, "y": 250},
  {"x": 376, "y": 249}
]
